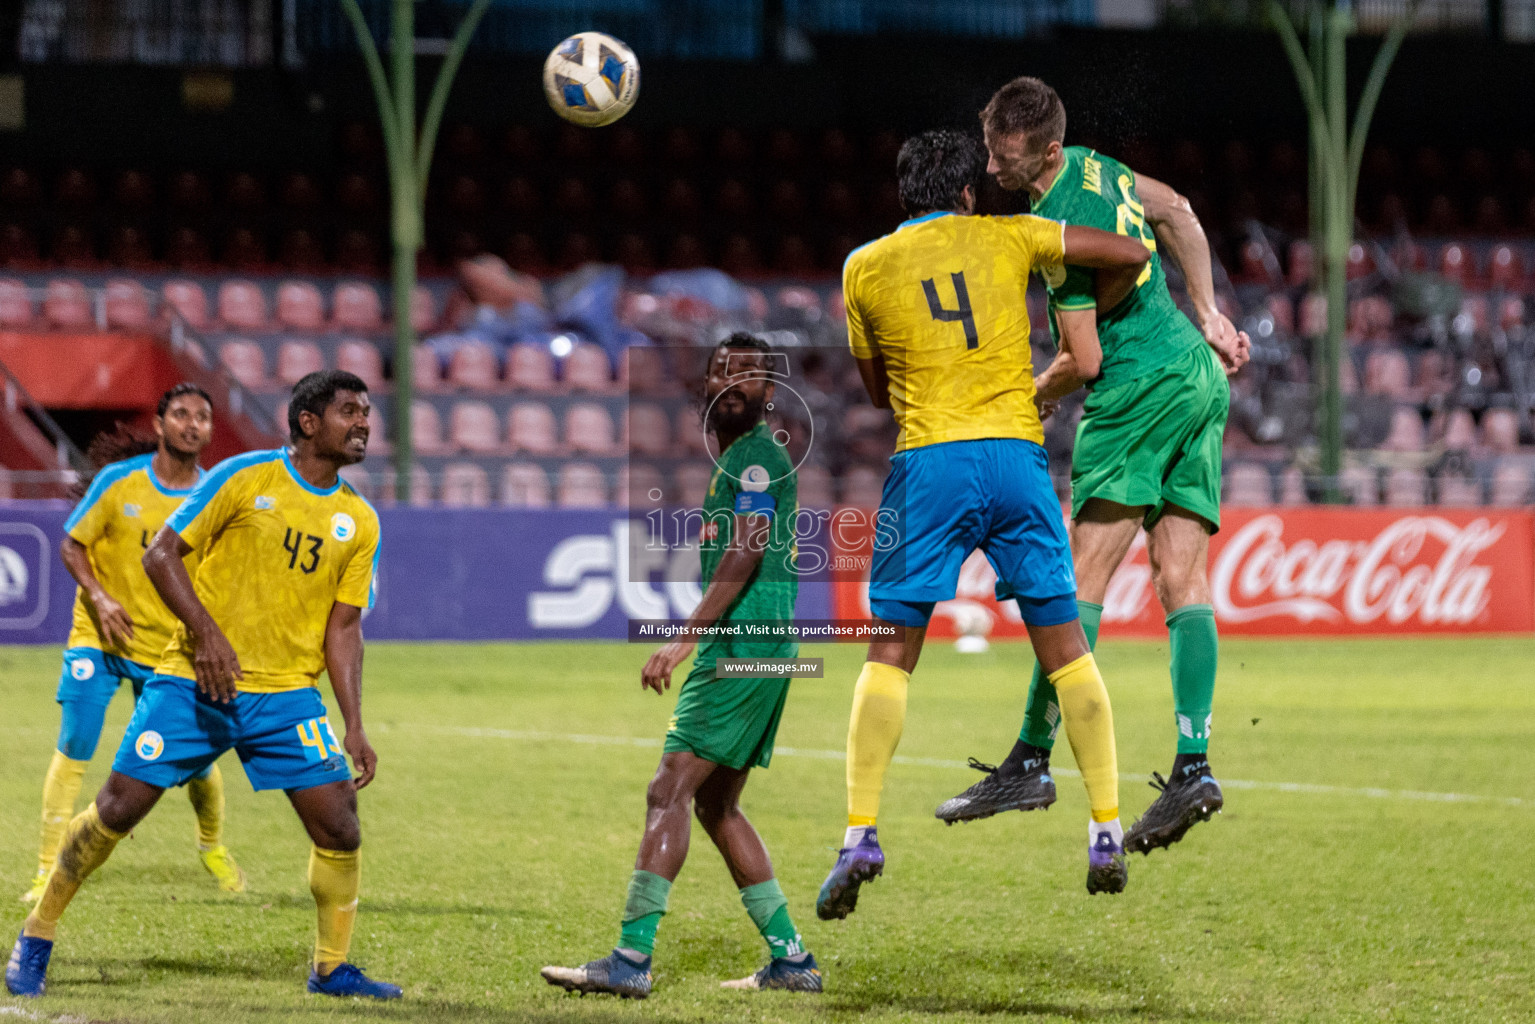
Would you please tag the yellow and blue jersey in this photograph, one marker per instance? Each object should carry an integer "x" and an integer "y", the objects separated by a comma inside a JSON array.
[
  {"x": 277, "y": 554},
  {"x": 941, "y": 300},
  {"x": 120, "y": 514}
]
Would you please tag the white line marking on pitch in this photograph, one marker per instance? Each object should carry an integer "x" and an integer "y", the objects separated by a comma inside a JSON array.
[{"x": 1371, "y": 792}]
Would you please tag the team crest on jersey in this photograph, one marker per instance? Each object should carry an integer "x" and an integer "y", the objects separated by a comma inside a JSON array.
[
  {"x": 149, "y": 745},
  {"x": 131, "y": 511},
  {"x": 755, "y": 478},
  {"x": 342, "y": 527},
  {"x": 264, "y": 502},
  {"x": 82, "y": 669}
]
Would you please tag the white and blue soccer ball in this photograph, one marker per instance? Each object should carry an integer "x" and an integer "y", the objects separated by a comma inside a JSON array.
[{"x": 591, "y": 79}]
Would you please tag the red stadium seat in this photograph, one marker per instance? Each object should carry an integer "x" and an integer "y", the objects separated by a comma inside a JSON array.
[
  {"x": 1510, "y": 312},
  {"x": 839, "y": 203},
  {"x": 1406, "y": 487},
  {"x": 360, "y": 357},
  {"x": 1247, "y": 485},
  {"x": 1386, "y": 373},
  {"x": 127, "y": 305},
  {"x": 300, "y": 306},
  {"x": 357, "y": 252},
  {"x": 356, "y": 194},
  {"x": 473, "y": 426},
  {"x": 188, "y": 300},
  {"x": 1456, "y": 263},
  {"x": 646, "y": 429},
  {"x": 378, "y": 432},
  {"x": 1360, "y": 263},
  {"x": 244, "y": 191},
  {"x": 626, "y": 200},
  {"x": 74, "y": 248},
  {"x": 589, "y": 429},
  {"x": 587, "y": 369},
  {"x": 1406, "y": 433},
  {"x": 1292, "y": 487},
  {"x": 1459, "y": 431},
  {"x": 244, "y": 250},
  {"x": 75, "y": 188},
  {"x": 426, "y": 429},
  {"x": 426, "y": 369},
  {"x": 67, "y": 305},
  {"x": 300, "y": 252},
  {"x": 794, "y": 257},
  {"x": 686, "y": 252},
  {"x": 529, "y": 368},
  {"x": 297, "y": 359},
  {"x": 1456, "y": 490},
  {"x": 634, "y": 254},
  {"x": 245, "y": 362},
  {"x": 1313, "y": 315},
  {"x": 188, "y": 250},
  {"x": 581, "y": 485},
  {"x": 357, "y": 307},
  {"x": 1302, "y": 264},
  {"x": 739, "y": 258},
  {"x": 639, "y": 486},
  {"x": 242, "y": 306},
  {"x": 474, "y": 366},
  {"x": 530, "y": 428},
  {"x": 465, "y": 485},
  {"x": 688, "y": 432},
  {"x": 15, "y": 305},
  {"x": 1360, "y": 485},
  {"x": 19, "y": 187},
  {"x": 1510, "y": 485},
  {"x": 1500, "y": 431},
  {"x": 1505, "y": 269},
  {"x": 129, "y": 249},
  {"x": 525, "y": 485},
  {"x": 525, "y": 255},
  {"x": 423, "y": 310},
  {"x": 18, "y": 246}
]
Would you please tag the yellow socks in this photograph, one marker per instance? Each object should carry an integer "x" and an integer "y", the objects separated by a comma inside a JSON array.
[
  {"x": 1089, "y": 724},
  {"x": 207, "y": 796},
  {"x": 333, "y": 879},
  {"x": 87, "y": 845},
  {"x": 879, "y": 713},
  {"x": 61, "y": 788}
]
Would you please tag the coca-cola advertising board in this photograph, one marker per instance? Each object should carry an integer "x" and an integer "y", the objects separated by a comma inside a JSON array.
[{"x": 1300, "y": 571}]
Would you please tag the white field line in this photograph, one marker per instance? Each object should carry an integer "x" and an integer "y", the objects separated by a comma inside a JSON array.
[{"x": 1311, "y": 788}]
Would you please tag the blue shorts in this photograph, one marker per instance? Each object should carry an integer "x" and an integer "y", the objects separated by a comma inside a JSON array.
[
  {"x": 90, "y": 676},
  {"x": 943, "y": 501},
  {"x": 284, "y": 739}
]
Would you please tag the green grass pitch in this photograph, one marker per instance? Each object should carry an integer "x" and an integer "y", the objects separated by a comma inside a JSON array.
[{"x": 501, "y": 831}]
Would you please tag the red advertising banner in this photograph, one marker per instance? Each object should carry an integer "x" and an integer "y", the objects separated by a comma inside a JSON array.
[{"x": 1294, "y": 571}]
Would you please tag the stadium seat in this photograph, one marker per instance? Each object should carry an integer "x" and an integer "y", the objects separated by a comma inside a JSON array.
[
  {"x": 680, "y": 201},
  {"x": 188, "y": 251},
  {"x": 363, "y": 359},
  {"x": 474, "y": 367},
  {"x": 1386, "y": 372},
  {"x": 739, "y": 257},
  {"x": 587, "y": 369},
  {"x": 15, "y": 305},
  {"x": 297, "y": 359},
  {"x": 529, "y": 367},
  {"x": 359, "y": 479},
  {"x": 244, "y": 250},
  {"x": 688, "y": 434},
  {"x": 189, "y": 192},
  {"x": 1406, "y": 487},
  {"x": 128, "y": 249},
  {"x": 1302, "y": 264},
  {"x": 423, "y": 309},
  {"x": 127, "y": 305},
  {"x": 525, "y": 485},
  {"x": 420, "y": 486},
  {"x": 474, "y": 427},
  {"x": 242, "y": 306},
  {"x": 1292, "y": 487},
  {"x": 1406, "y": 434},
  {"x": 1360, "y": 264},
  {"x": 67, "y": 305},
  {"x": 1500, "y": 431},
  {"x": 356, "y": 194},
  {"x": 646, "y": 430},
  {"x": 1456, "y": 263},
  {"x": 73, "y": 248},
  {"x": 426, "y": 429},
  {"x": 245, "y": 362},
  {"x": 1511, "y": 312},
  {"x": 639, "y": 486},
  {"x": 692, "y": 483},
  {"x": 530, "y": 428},
  {"x": 300, "y": 306},
  {"x": 589, "y": 429},
  {"x": 1458, "y": 490},
  {"x": 1435, "y": 375},
  {"x": 685, "y": 252},
  {"x": 18, "y": 246},
  {"x": 299, "y": 191},
  {"x": 634, "y": 254},
  {"x": 245, "y": 191},
  {"x": 862, "y": 486},
  {"x": 1312, "y": 318},
  {"x": 464, "y": 197},
  {"x": 1248, "y": 484},
  {"x": 1511, "y": 485},
  {"x": 464, "y": 485},
  {"x": 1457, "y": 431},
  {"x": 520, "y": 197},
  {"x": 75, "y": 189},
  {"x": 839, "y": 203},
  {"x": 1360, "y": 485},
  {"x": 581, "y": 485},
  {"x": 815, "y": 488},
  {"x": 356, "y": 307},
  {"x": 357, "y": 252},
  {"x": 378, "y": 432},
  {"x": 19, "y": 187},
  {"x": 426, "y": 369},
  {"x": 1505, "y": 268},
  {"x": 299, "y": 251}
]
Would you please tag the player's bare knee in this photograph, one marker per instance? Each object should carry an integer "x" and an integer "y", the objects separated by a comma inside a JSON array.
[{"x": 123, "y": 802}]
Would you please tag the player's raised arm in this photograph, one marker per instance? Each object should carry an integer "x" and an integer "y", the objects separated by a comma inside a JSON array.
[
  {"x": 213, "y": 661},
  {"x": 343, "y": 663},
  {"x": 1178, "y": 229}
]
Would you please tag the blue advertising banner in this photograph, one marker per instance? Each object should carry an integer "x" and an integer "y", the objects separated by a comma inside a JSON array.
[{"x": 444, "y": 574}]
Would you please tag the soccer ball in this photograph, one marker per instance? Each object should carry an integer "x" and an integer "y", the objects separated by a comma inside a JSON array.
[{"x": 591, "y": 79}]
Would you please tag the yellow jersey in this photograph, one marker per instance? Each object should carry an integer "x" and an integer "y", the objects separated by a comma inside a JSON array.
[
  {"x": 941, "y": 299},
  {"x": 277, "y": 554},
  {"x": 115, "y": 521}
]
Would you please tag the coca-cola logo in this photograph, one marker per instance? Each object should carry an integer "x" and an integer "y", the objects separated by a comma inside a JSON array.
[{"x": 1418, "y": 567}]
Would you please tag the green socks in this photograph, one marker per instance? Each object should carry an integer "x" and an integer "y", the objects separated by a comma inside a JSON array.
[
  {"x": 1191, "y": 633},
  {"x": 643, "y": 910},
  {"x": 1043, "y": 716},
  {"x": 769, "y": 910}
]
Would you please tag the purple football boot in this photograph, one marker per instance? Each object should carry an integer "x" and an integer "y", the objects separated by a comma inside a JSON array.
[{"x": 855, "y": 866}]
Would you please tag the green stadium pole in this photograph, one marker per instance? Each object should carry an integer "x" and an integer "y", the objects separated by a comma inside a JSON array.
[
  {"x": 409, "y": 158},
  {"x": 1336, "y": 156}
]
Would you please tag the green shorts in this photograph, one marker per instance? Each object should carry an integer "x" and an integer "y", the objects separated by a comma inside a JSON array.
[
  {"x": 1156, "y": 440},
  {"x": 731, "y": 722}
]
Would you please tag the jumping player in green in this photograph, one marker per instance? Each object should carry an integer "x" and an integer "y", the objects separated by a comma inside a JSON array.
[
  {"x": 723, "y": 726},
  {"x": 1148, "y": 448}
]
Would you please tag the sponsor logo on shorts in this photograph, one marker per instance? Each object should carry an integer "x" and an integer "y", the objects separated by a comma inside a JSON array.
[
  {"x": 149, "y": 745},
  {"x": 82, "y": 669},
  {"x": 342, "y": 527}
]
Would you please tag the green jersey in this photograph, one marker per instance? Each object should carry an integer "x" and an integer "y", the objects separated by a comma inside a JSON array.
[
  {"x": 1146, "y": 330},
  {"x": 754, "y": 477}
]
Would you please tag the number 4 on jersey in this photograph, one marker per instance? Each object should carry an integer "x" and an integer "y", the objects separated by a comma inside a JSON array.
[{"x": 962, "y": 313}]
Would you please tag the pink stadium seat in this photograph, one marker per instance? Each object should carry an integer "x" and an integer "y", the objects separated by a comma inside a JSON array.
[
  {"x": 360, "y": 480},
  {"x": 530, "y": 428},
  {"x": 67, "y": 305},
  {"x": 420, "y": 486},
  {"x": 692, "y": 483},
  {"x": 1500, "y": 431},
  {"x": 357, "y": 307},
  {"x": 1292, "y": 487},
  {"x": 378, "y": 432},
  {"x": 1458, "y": 491},
  {"x": 15, "y": 306},
  {"x": 363, "y": 358},
  {"x": 587, "y": 369},
  {"x": 474, "y": 366},
  {"x": 525, "y": 485},
  {"x": 529, "y": 368},
  {"x": 1459, "y": 431},
  {"x": 1247, "y": 484},
  {"x": 1505, "y": 269},
  {"x": 297, "y": 359},
  {"x": 465, "y": 485},
  {"x": 589, "y": 429},
  {"x": 1302, "y": 264},
  {"x": 189, "y": 301},
  {"x": 581, "y": 485},
  {"x": 1435, "y": 375},
  {"x": 1456, "y": 263},
  {"x": 423, "y": 309},
  {"x": 1406, "y": 433},
  {"x": 1510, "y": 485},
  {"x": 426, "y": 429},
  {"x": 1386, "y": 372},
  {"x": 646, "y": 430},
  {"x": 1312, "y": 320},
  {"x": 246, "y": 363},
  {"x": 861, "y": 486},
  {"x": 300, "y": 306},
  {"x": 688, "y": 432},
  {"x": 127, "y": 305},
  {"x": 474, "y": 427},
  {"x": 1510, "y": 312},
  {"x": 815, "y": 488},
  {"x": 642, "y": 370},
  {"x": 242, "y": 306},
  {"x": 426, "y": 371},
  {"x": 1360, "y": 485},
  {"x": 1406, "y": 487},
  {"x": 639, "y": 486}
]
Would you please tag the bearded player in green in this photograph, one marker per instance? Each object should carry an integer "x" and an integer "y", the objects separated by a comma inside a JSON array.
[
  {"x": 723, "y": 725},
  {"x": 1148, "y": 449}
]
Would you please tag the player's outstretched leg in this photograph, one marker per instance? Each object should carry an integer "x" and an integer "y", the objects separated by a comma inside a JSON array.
[
  {"x": 82, "y": 707},
  {"x": 206, "y": 791}
]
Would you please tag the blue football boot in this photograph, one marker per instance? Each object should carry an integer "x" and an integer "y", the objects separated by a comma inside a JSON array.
[
  {"x": 802, "y": 975},
  {"x": 348, "y": 980},
  {"x": 855, "y": 866},
  {"x": 27, "y": 972}
]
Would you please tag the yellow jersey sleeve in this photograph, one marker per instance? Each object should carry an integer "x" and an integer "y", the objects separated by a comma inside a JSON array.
[
  {"x": 1041, "y": 241},
  {"x": 357, "y": 578},
  {"x": 88, "y": 522},
  {"x": 858, "y": 336},
  {"x": 211, "y": 505}
]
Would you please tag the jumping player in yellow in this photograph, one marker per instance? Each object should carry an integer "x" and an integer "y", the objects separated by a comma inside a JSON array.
[
  {"x": 120, "y": 625},
  {"x": 289, "y": 552},
  {"x": 937, "y": 323}
]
